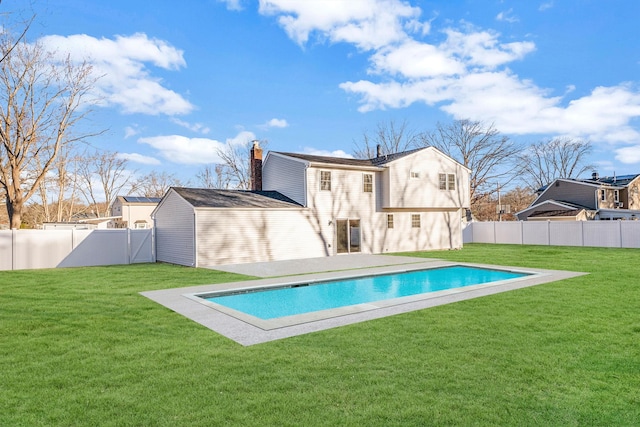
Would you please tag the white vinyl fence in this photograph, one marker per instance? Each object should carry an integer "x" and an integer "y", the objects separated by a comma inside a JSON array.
[
  {"x": 29, "y": 249},
  {"x": 610, "y": 234}
]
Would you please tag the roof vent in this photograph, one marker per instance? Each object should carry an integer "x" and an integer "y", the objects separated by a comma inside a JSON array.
[{"x": 595, "y": 176}]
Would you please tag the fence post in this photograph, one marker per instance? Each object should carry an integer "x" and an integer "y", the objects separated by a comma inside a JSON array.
[
  {"x": 620, "y": 228},
  {"x": 129, "y": 245},
  {"x": 13, "y": 248}
]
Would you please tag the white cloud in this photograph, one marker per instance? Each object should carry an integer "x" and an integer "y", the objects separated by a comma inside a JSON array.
[
  {"x": 124, "y": 77},
  {"x": 413, "y": 59},
  {"x": 368, "y": 24},
  {"x": 232, "y": 4},
  {"x": 466, "y": 75},
  {"x": 130, "y": 131},
  {"x": 507, "y": 16},
  {"x": 545, "y": 6},
  {"x": 335, "y": 153},
  {"x": 628, "y": 155},
  {"x": 276, "y": 123},
  {"x": 139, "y": 158},
  {"x": 482, "y": 48},
  {"x": 183, "y": 150},
  {"x": 195, "y": 127}
]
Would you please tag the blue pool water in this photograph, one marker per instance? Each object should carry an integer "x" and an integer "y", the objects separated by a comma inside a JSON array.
[{"x": 299, "y": 299}]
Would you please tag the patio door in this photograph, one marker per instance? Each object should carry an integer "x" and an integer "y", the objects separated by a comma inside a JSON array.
[{"x": 348, "y": 235}]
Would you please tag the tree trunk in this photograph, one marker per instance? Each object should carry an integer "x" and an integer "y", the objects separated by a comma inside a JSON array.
[{"x": 14, "y": 209}]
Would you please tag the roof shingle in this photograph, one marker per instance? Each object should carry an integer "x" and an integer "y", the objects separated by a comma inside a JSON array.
[{"x": 214, "y": 198}]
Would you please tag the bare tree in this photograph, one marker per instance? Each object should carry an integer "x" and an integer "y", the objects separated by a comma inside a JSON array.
[
  {"x": 392, "y": 137},
  {"x": 155, "y": 184},
  {"x": 103, "y": 176},
  {"x": 235, "y": 171},
  {"x": 213, "y": 176},
  {"x": 41, "y": 102},
  {"x": 481, "y": 148},
  {"x": 545, "y": 161}
]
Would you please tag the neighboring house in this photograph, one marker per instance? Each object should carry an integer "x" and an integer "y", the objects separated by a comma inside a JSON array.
[
  {"x": 81, "y": 221},
  {"x": 598, "y": 198},
  {"x": 306, "y": 206},
  {"x": 133, "y": 211}
]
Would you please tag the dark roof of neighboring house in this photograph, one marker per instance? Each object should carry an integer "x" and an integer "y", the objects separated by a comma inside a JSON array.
[
  {"x": 614, "y": 181},
  {"x": 376, "y": 161},
  {"x": 557, "y": 212},
  {"x": 213, "y": 198},
  {"x": 137, "y": 199}
]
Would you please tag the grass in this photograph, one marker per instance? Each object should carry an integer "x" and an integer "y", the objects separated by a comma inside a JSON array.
[{"x": 81, "y": 347}]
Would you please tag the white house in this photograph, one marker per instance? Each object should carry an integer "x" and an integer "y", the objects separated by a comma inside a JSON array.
[
  {"x": 133, "y": 211},
  {"x": 309, "y": 206}
]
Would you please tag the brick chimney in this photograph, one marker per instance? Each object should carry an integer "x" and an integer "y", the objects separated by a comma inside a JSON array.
[{"x": 256, "y": 167}]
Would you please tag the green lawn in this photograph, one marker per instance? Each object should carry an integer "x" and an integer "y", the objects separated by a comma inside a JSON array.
[{"x": 81, "y": 347}]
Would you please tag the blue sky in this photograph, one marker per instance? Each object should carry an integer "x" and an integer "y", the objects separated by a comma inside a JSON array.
[{"x": 182, "y": 79}]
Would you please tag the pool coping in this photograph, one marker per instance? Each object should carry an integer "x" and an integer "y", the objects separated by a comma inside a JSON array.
[{"x": 248, "y": 330}]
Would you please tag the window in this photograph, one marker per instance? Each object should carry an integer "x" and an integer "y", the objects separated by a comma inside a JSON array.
[
  {"x": 325, "y": 181},
  {"x": 616, "y": 195},
  {"x": 603, "y": 196},
  {"x": 447, "y": 181},
  {"x": 415, "y": 220},
  {"x": 367, "y": 183},
  {"x": 414, "y": 175},
  {"x": 389, "y": 220},
  {"x": 451, "y": 181},
  {"x": 443, "y": 181}
]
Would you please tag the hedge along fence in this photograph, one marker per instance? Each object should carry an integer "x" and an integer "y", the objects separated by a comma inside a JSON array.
[
  {"x": 31, "y": 249},
  {"x": 610, "y": 234}
]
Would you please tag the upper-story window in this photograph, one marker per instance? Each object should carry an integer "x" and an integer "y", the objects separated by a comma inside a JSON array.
[
  {"x": 451, "y": 181},
  {"x": 603, "y": 195},
  {"x": 414, "y": 174},
  {"x": 367, "y": 183},
  {"x": 616, "y": 196},
  {"x": 325, "y": 180},
  {"x": 447, "y": 181}
]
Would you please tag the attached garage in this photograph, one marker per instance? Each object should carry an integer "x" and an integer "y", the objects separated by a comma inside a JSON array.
[{"x": 207, "y": 227}]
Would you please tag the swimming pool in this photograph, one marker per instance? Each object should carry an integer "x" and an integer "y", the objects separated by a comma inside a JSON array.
[{"x": 361, "y": 292}]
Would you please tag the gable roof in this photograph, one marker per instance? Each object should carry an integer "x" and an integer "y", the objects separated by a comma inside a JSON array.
[
  {"x": 613, "y": 181},
  {"x": 214, "y": 198},
  {"x": 556, "y": 213},
  {"x": 341, "y": 161},
  {"x": 551, "y": 205}
]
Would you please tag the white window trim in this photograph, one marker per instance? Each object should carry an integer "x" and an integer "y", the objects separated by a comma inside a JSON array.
[
  {"x": 364, "y": 183},
  {"x": 325, "y": 180}
]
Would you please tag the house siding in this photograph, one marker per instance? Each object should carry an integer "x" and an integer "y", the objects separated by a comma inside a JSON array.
[
  {"x": 403, "y": 191},
  {"x": 580, "y": 194},
  {"x": 286, "y": 176},
  {"x": 229, "y": 236},
  {"x": 441, "y": 228},
  {"x": 174, "y": 222}
]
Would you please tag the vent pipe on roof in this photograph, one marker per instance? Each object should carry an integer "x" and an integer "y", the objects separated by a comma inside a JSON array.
[
  {"x": 378, "y": 150},
  {"x": 595, "y": 176}
]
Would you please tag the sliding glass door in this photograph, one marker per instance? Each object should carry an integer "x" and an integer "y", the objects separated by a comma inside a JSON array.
[{"x": 348, "y": 235}]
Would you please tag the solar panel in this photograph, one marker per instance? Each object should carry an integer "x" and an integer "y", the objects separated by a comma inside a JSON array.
[{"x": 136, "y": 199}]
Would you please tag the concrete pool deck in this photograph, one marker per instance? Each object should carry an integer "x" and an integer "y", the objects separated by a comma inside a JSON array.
[{"x": 247, "y": 331}]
